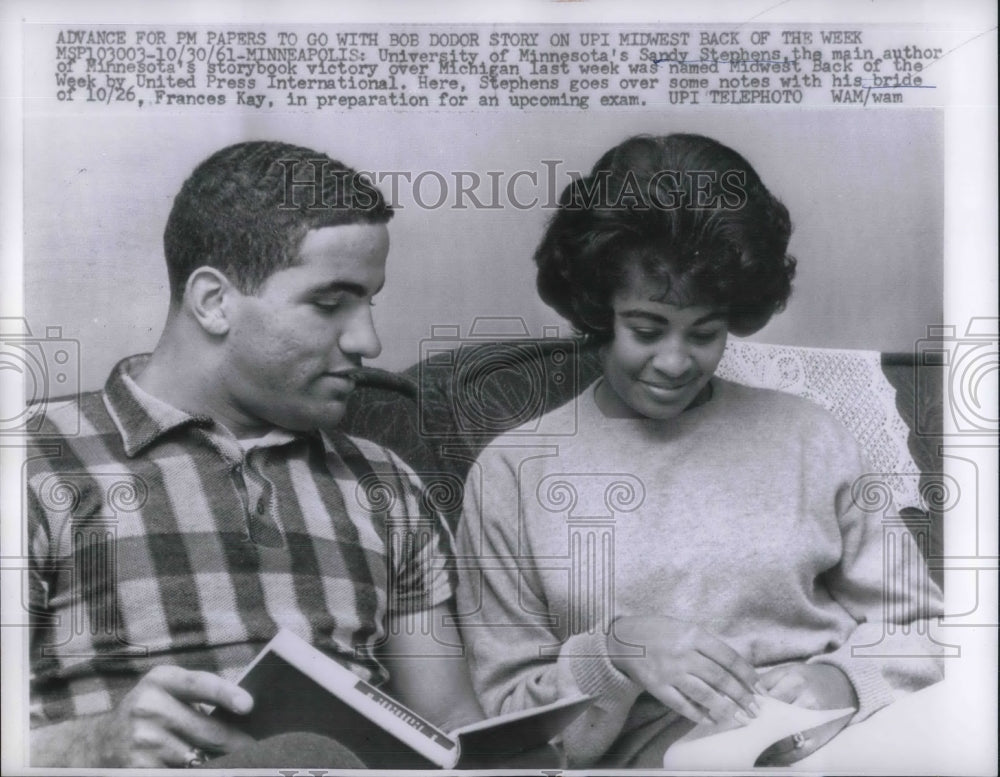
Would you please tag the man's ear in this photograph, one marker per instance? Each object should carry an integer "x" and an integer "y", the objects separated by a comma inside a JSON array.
[{"x": 208, "y": 297}]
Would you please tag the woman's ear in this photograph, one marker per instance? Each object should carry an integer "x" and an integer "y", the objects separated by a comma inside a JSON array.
[{"x": 207, "y": 297}]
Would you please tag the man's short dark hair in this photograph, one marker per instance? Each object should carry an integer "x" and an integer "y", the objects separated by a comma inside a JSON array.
[
  {"x": 686, "y": 212},
  {"x": 246, "y": 209}
]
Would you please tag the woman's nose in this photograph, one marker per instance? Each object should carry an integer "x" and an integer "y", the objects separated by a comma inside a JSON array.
[{"x": 672, "y": 359}]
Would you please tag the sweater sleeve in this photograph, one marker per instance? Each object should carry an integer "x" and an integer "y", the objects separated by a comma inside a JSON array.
[
  {"x": 517, "y": 656},
  {"x": 883, "y": 582}
]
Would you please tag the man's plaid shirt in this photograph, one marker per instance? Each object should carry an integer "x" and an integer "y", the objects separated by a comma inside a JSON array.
[{"x": 157, "y": 537}]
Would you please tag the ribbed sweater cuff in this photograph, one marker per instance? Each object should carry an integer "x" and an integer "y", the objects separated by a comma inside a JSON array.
[
  {"x": 865, "y": 675},
  {"x": 587, "y": 655}
]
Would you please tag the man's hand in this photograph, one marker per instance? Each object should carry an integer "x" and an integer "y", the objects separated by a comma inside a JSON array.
[
  {"x": 154, "y": 726},
  {"x": 814, "y": 686},
  {"x": 689, "y": 670}
]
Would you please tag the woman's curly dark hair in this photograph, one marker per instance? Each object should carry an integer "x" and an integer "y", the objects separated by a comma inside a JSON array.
[{"x": 684, "y": 210}]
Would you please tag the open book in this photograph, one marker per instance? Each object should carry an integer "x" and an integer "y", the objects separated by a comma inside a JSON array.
[
  {"x": 299, "y": 688},
  {"x": 717, "y": 747}
]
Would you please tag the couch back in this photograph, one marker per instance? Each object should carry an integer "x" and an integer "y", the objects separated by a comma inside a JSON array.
[{"x": 441, "y": 412}]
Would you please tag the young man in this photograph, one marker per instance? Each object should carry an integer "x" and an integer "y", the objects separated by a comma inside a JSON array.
[{"x": 205, "y": 501}]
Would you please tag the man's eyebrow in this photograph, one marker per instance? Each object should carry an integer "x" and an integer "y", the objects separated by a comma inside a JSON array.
[
  {"x": 343, "y": 287},
  {"x": 651, "y": 316}
]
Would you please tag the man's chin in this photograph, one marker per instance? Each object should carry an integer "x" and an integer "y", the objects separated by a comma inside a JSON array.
[{"x": 329, "y": 414}]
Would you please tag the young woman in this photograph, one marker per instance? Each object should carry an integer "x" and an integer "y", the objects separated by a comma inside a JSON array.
[{"x": 736, "y": 560}]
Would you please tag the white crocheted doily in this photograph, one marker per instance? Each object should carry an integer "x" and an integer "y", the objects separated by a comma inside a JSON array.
[{"x": 849, "y": 384}]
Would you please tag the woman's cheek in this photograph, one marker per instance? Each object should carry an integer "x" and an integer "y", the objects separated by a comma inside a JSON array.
[{"x": 634, "y": 358}]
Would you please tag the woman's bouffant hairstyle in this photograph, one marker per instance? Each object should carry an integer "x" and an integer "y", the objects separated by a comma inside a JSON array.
[{"x": 684, "y": 211}]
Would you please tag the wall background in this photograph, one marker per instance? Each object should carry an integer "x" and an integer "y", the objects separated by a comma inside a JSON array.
[{"x": 865, "y": 191}]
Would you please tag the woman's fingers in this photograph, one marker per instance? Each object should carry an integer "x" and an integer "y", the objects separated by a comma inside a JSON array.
[
  {"x": 787, "y": 687},
  {"x": 707, "y": 692},
  {"x": 719, "y": 707},
  {"x": 723, "y": 681},
  {"x": 684, "y": 661},
  {"x": 770, "y": 677},
  {"x": 723, "y": 655},
  {"x": 679, "y": 703}
]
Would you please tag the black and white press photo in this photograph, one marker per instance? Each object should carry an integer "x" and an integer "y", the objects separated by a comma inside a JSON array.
[{"x": 388, "y": 390}]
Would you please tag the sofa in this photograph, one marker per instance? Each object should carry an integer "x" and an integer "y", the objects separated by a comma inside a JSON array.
[{"x": 441, "y": 412}]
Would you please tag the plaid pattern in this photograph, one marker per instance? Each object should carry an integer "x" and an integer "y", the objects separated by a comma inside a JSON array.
[{"x": 156, "y": 537}]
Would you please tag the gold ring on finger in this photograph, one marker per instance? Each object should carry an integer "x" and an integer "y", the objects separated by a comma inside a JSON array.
[{"x": 194, "y": 757}]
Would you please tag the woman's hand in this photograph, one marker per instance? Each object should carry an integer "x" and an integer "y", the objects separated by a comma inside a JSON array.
[
  {"x": 814, "y": 686},
  {"x": 691, "y": 671}
]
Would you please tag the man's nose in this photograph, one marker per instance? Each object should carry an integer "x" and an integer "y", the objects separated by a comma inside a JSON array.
[{"x": 359, "y": 338}]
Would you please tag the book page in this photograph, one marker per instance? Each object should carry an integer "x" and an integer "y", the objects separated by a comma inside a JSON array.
[
  {"x": 557, "y": 709},
  {"x": 706, "y": 747},
  {"x": 497, "y": 739}
]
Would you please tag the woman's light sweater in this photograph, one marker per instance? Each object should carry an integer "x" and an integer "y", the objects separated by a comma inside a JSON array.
[{"x": 737, "y": 515}]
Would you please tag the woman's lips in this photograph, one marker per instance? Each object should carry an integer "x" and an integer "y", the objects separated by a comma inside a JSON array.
[{"x": 666, "y": 386}]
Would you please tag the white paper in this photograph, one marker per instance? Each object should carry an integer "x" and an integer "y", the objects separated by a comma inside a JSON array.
[{"x": 739, "y": 748}]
